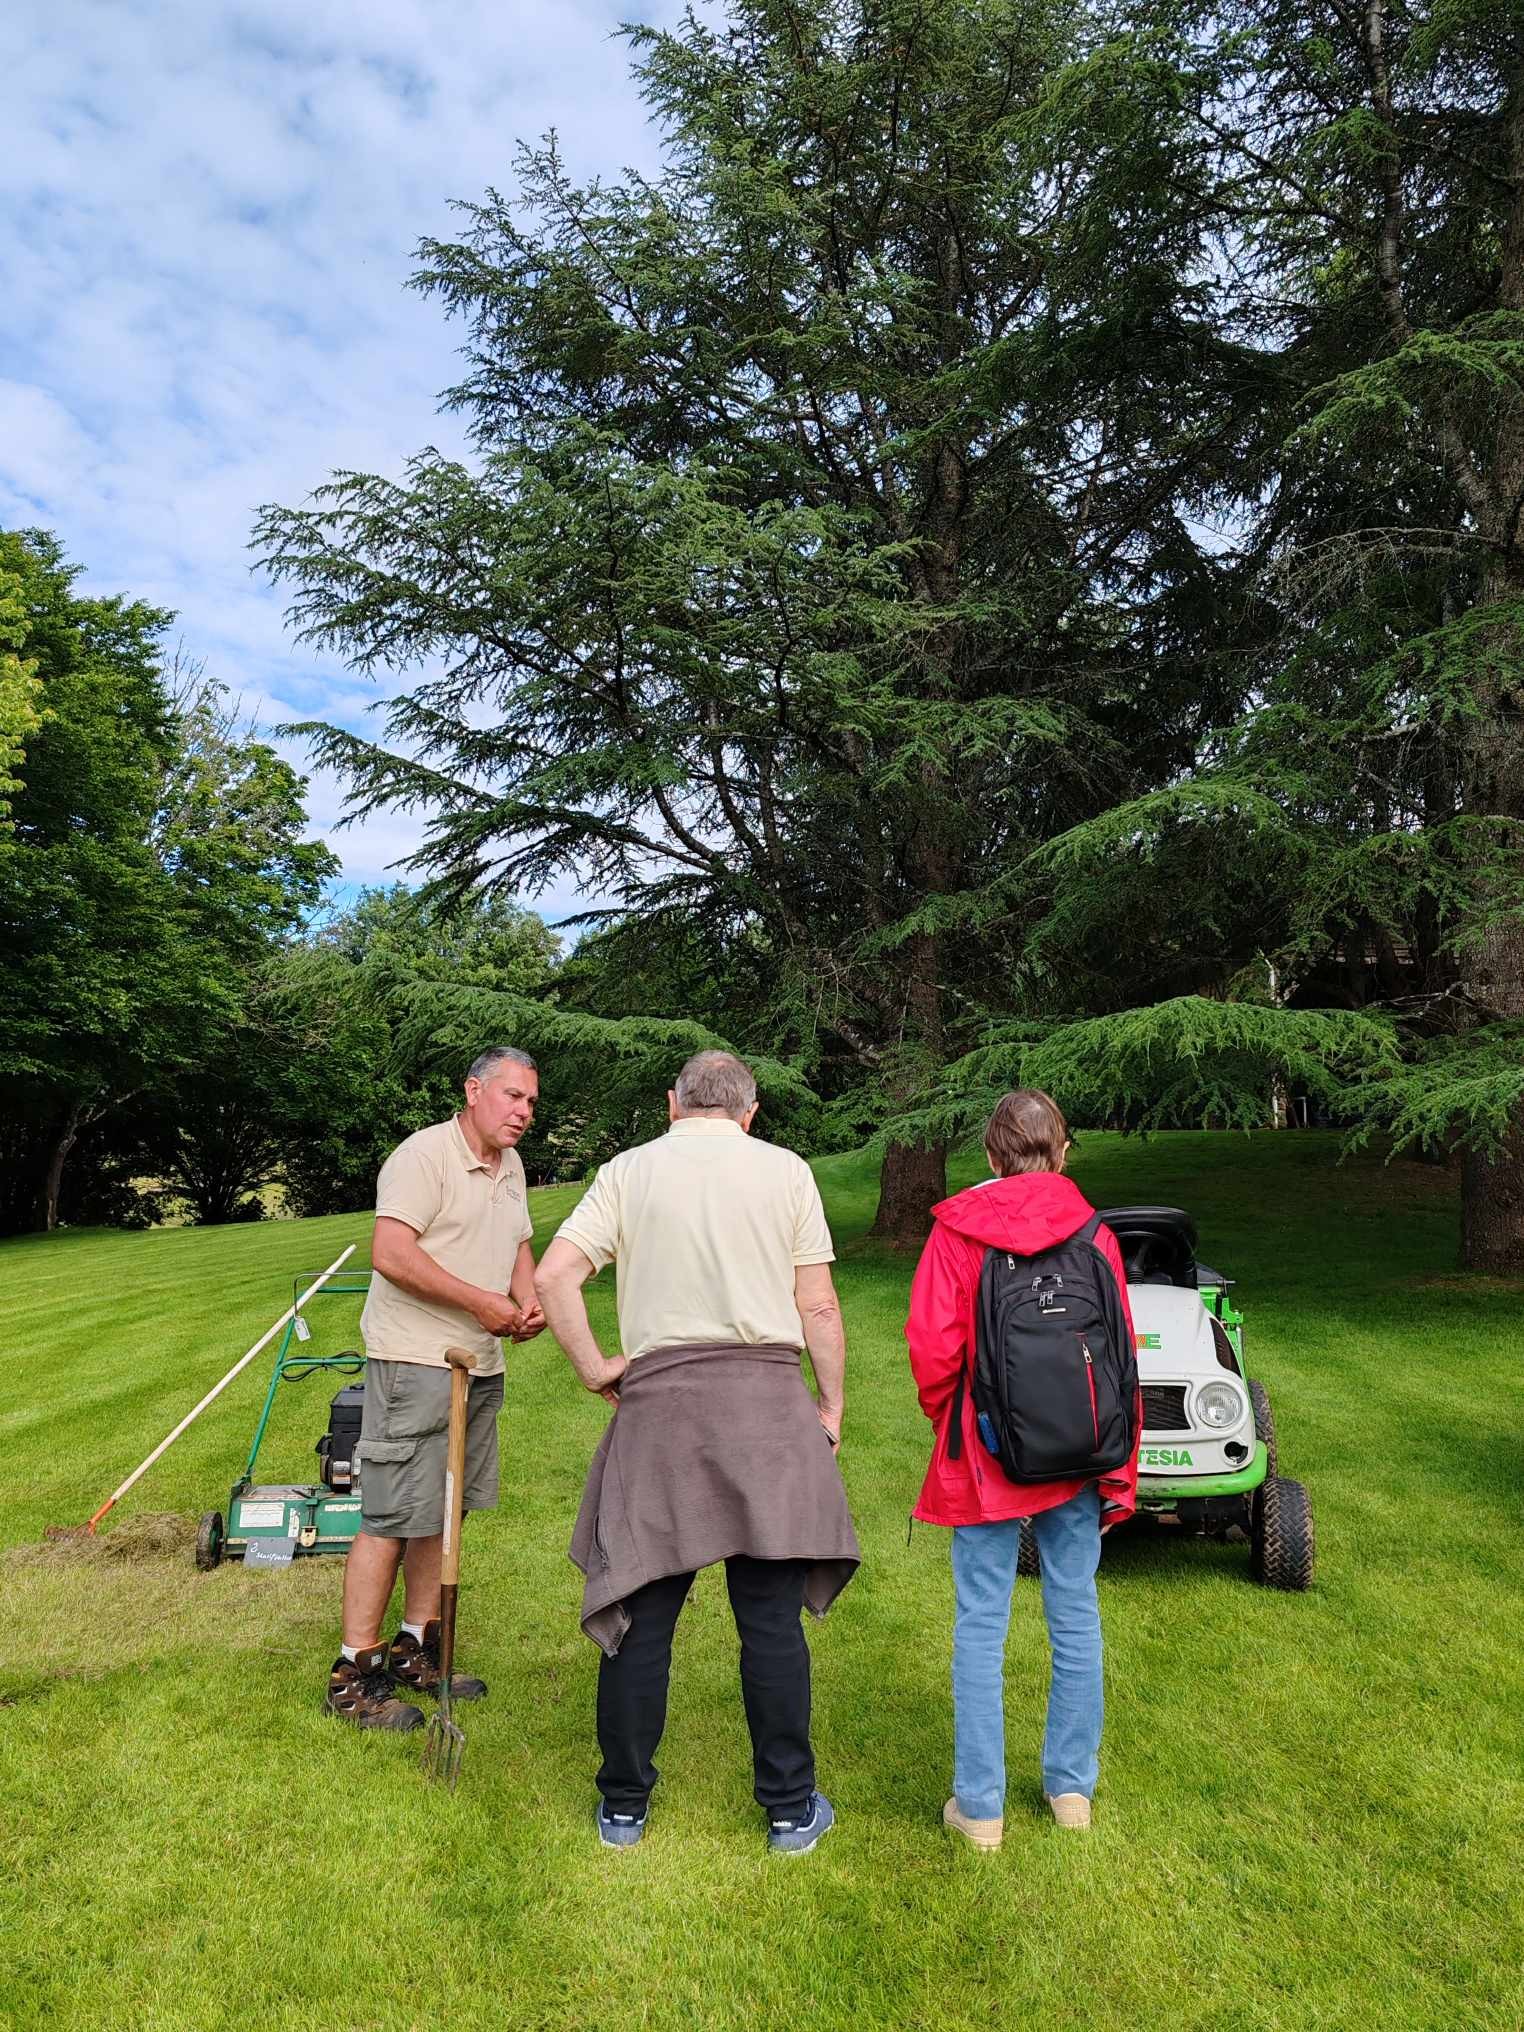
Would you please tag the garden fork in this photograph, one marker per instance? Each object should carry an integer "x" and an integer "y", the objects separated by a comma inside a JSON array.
[{"x": 444, "y": 1745}]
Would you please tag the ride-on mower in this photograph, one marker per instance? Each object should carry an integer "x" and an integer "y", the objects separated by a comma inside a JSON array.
[
  {"x": 269, "y": 1523},
  {"x": 1208, "y": 1459}
]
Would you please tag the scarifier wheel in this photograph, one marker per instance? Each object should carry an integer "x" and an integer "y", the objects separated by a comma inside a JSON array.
[
  {"x": 1264, "y": 1422},
  {"x": 1281, "y": 1536},
  {"x": 209, "y": 1541}
]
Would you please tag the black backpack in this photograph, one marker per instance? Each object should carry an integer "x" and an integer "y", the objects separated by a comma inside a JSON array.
[{"x": 1055, "y": 1378}]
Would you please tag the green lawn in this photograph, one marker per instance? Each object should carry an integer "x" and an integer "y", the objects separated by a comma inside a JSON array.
[{"x": 1311, "y": 1810}]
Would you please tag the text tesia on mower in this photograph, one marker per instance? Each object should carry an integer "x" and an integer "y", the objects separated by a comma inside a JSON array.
[
  {"x": 1208, "y": 1460},
  {"x": 272, "y": 1523}
]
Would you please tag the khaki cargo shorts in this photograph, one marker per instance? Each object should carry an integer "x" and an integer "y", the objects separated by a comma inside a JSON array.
[{"x": 401, "y": 1456}]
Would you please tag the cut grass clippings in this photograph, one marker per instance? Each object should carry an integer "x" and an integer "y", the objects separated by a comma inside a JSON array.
[{"x": 1311, "y": 1812}]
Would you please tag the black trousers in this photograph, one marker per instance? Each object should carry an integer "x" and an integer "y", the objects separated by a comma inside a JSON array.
[{"x": 766, "y": 1598}]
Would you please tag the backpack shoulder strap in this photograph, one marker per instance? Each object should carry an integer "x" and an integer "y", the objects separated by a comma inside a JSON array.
[
  {"x": 965, "y": 1371},
  {"x": 1110, "y": 1285}
]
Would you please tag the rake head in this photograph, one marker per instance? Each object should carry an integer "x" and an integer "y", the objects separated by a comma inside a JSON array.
[{"x": 443, "y": 1748}]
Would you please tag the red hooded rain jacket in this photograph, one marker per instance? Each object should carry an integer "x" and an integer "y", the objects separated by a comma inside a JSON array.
[{"x": 1032, "y": 1211}]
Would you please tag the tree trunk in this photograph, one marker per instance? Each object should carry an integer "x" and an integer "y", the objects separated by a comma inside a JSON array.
[
  {"x": 910, "y": 1184},
  {"x": 1492, "y": 1184},
  {"x": 52, "y": 1184},
  {"x": 913, "y": 1179},
  {"x": 1492, "y": 1207},
  {"x": 215, "y": 1190}
]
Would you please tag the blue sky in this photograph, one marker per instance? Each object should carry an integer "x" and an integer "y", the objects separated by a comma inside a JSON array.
[{"x": 210, "y": 211}]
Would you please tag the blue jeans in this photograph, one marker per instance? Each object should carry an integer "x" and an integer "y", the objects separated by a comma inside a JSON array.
[{"x": 984, "y": 1573}]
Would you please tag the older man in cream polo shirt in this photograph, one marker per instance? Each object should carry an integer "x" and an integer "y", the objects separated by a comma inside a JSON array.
[
  {"x": 717, "y": 1450},
  {"x": 451, "y": 1266}
]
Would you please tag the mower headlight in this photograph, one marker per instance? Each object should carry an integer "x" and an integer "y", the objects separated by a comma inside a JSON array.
[{"x": 1219, "y": 1405}]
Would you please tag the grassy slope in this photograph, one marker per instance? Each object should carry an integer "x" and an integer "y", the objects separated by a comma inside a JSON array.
[{"x": 1311, "y": 1812}]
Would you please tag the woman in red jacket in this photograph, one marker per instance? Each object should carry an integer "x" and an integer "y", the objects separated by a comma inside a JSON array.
[{"x": 1027, "y": 1206}]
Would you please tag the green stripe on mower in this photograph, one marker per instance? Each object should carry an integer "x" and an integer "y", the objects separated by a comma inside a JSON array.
[{"x": 1152, "y": 1490}]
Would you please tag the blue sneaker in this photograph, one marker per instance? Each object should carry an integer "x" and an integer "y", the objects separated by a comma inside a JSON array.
[
  {"x": 619, "y": 1830},
  {"x": 798, "y": 1837}
]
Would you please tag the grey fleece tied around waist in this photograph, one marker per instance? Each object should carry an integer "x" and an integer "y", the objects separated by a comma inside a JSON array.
[{"x": 715, "y": 1449}]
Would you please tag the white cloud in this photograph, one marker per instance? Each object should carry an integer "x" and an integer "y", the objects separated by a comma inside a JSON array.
[
  {"x": 45, "y": 448},
  {"x": 211, "y": 211}
]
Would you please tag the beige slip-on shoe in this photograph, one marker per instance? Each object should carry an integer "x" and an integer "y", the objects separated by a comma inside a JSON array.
[
  {"x": 1070, "y": 1809},
  {"x": 984, "y": 1834}
]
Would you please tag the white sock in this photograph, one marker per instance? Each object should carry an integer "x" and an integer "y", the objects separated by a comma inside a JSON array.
[
  {"x": 349, "y": 1651},
  {"x": 415, "y": 1630}
]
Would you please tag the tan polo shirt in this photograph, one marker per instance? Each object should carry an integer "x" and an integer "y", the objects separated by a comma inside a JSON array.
[
  {"x": 706, "y": 1227},
  {"x": 470, "y": 1220}
]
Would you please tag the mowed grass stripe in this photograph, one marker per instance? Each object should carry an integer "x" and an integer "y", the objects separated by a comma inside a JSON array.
[{"x": 1312, "y": 1808}]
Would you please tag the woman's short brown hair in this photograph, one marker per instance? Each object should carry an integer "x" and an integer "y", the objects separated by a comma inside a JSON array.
[{"x": 1027, "y": 1132}]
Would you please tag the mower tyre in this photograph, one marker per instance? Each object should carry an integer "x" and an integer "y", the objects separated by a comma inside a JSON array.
[
  {"x": 1026, "y": 1552},
  {"x": 1280, "y": 1535},
  {"x": 1264, "y": 1423},
  {"x": 209, "y": 1541}
]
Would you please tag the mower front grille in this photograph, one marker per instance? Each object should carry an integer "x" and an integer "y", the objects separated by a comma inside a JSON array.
[{"x": 1164, "y": 1408}]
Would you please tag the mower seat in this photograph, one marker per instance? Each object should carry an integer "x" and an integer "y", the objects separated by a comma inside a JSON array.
[{"x": 1158, "y": 1245}]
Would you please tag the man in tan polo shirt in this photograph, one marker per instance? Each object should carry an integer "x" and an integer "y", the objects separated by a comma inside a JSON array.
[
  {"x": 451, "y": 1266},
  {"x": 717, "y": 1450}
]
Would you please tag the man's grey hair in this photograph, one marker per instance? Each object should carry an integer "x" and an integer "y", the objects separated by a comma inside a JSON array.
[
  {"x": 715, "y": 1082},
  {"x": 486, "y": 1063}
]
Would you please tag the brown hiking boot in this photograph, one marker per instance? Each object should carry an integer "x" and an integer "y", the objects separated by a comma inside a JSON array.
[
  {"x": 360, "y": 1691},
  {"x": 415, "y": 1667}
]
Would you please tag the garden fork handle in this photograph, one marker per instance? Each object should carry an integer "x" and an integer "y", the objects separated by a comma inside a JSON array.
[{"x": 462, "y": 1361}]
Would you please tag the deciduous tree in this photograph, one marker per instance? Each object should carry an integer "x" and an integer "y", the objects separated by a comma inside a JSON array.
[{"x": 151, "y": 855}]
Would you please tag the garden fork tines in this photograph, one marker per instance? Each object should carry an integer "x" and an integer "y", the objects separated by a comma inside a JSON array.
[{"x": 443, "y": 1746}]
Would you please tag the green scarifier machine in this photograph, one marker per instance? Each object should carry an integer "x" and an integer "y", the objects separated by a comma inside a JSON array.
[
  {"x": 272, "y": 1523},
  {"x": 1208, "y": 1462}
]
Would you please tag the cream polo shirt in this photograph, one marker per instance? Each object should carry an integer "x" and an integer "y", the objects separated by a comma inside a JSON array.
[
  {"x": 470, "y": 1220},
  {"x": 706, "y": 1227}
]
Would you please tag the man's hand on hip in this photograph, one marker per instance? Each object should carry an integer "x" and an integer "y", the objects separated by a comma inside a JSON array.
[{"x": 608, "y": 1385}]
